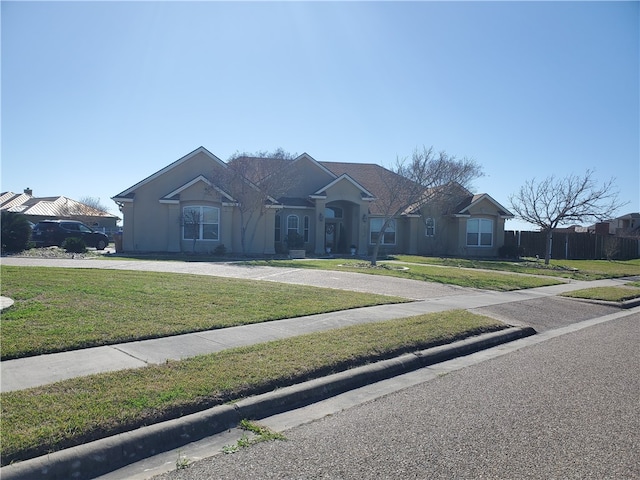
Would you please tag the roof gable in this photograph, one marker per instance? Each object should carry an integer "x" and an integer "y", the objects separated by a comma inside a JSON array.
[
  {"x": 366, "y": 195},
  {"x": 170, "y": 197},
  {"x": 128, "y": 193},
  {"x": 474, "y": 200},
  {"x": 308, "y": 158}
]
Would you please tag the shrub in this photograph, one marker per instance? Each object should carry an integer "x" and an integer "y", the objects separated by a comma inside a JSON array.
[
  {"x": 16, "y": 232},
  {"x": 74, "y": 245},
  {"x": 220, "y": 250},
  {"x": 294, "y": 241}
]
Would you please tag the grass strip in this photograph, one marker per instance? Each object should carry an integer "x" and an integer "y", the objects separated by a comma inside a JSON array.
[
  {"x": 71, "y": 412},
  {"x": 609, "y": 294},
  {"x": 425, "y": 273},
  {"x": 58, "y": 309},
  {"x": 574, "y": 269}
]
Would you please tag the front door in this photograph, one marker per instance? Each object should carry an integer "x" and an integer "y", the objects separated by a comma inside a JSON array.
[{"x": 331, "y": 233}]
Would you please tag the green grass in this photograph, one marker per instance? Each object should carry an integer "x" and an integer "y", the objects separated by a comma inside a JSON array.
[
  {"x": 58, "y": 309},
  {"x": 426, "y": 273},
  {"x": 75, "y": 411},
  {"x": 260, "y": 433},
  {"x": 574, "y": 269},
  {"x": 610, "y": 294}
]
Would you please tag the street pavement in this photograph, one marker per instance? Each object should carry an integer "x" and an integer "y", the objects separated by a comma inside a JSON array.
[{"x": 564, "y": 408}]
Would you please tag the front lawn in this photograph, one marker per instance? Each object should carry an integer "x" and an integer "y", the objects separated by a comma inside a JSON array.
[
  {"x": 75, "y": 411},
  {"x": 574, "y": 269},
  {"x": 425, "y": 273},
  {"x": 59, "y": 309}
]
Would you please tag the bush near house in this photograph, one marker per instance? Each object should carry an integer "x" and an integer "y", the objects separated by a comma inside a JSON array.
[
  {"x": 16, "y": 232},
  {"x": 74, "y": 245}
]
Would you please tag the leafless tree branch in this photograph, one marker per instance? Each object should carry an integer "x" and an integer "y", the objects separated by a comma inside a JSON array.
[{"x": 553, "y": 201}]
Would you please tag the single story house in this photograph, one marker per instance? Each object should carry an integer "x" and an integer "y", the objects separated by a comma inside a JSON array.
[
  {"x": 60, "y": 207},
  {"x": 327, "y": 206}
]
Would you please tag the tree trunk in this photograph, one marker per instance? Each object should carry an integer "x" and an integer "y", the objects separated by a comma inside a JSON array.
[
  {"x": 374, "y": 255},
  {"x": 376, "y": 248},
  {"x": 243, "y": 234}
]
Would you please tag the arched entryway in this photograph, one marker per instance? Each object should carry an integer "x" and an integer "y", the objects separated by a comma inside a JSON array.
[{"x": 340, "y": 226}]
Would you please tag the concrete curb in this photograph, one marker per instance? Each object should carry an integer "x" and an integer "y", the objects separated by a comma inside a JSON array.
[
  {"x": 634, "y": 302},
  {"x": 106, "y": 455}
]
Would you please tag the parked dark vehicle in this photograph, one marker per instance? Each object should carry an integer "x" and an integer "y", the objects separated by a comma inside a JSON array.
[{"x": 54, "y": 232}]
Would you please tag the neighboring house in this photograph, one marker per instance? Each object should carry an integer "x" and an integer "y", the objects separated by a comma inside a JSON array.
[
  {"x": 625, "y": 226},
  {"x": 330, "y": 205},
  {"x": 47, "y": 208}
]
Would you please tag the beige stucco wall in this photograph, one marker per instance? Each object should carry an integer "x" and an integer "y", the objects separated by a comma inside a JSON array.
[
  {"x": 451, "y": 232},
  {"x": 307, "y": 178},
  {"x": 151, "y": 226},
  {"x": 484, "y": 209}
]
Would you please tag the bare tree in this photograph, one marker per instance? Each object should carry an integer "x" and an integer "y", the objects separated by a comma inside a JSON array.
[
  {"x": 427, "y": 176},
  {"x": 191, "y": 219},
  {"x": 93, "y": 203},
  {"x": 87, "y": 210},
  {"x": 558, "y": 201},
  {"x": 255, "y": 181}
]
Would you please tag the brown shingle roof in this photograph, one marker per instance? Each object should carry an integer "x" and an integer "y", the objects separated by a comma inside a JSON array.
[{"x": 374, "y": 178}]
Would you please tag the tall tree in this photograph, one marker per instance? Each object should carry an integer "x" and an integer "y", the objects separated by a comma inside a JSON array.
[
  {"x": 255, "y": 181},
  {"x": 426, "y": 176},
  {"x": 553, "y": 201}
]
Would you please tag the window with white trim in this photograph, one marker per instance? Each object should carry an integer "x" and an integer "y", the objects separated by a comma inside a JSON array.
[
  {"x": 200, "y": 223},
  {"x": 389, "y": 236},
  {"x": 479, "y": 232},
  {"x": 306, "y": 229},
  {"x": 429, "y": 227},
  {"x": 292, "y": 225}
]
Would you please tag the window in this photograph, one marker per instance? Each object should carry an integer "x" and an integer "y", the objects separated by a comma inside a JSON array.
[
  {"x": 306, "y": 228},
  {"x": 278, "y": 230},
  {"x": 389, "y": 237},
  {"x": 430, "y": 227},
  {"x": 200, "y": 223},
  {"x": 479, "y": 232},
  {"x": 333, "y": 212},
  {"x": 292, "y": 225}
]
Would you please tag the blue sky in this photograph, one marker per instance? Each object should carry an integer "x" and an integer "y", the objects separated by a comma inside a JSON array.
[{"x": 97, "y": 96}]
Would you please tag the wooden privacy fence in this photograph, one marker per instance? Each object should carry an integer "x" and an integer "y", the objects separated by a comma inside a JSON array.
[{"x": 573, "y": 246}]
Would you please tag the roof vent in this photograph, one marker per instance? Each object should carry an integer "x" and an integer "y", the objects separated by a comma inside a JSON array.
[{"x": 28, "y": 191}]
